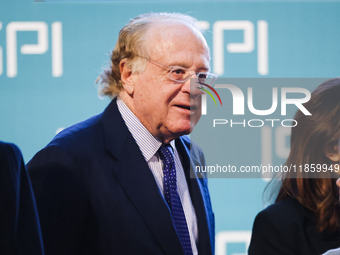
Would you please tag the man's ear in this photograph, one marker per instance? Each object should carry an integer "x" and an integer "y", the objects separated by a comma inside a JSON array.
[
  {"x": 332, "y": 152},
  {"x": 126, "y": 76}
]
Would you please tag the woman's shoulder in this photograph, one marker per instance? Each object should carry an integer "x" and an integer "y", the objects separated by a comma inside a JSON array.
[
  {"x": 279, "y": 229},
  {"x": 287, "y": 210},
  {"x": 286, "y": 216}
]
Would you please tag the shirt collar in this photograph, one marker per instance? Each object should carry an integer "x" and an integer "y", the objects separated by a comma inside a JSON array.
[{"x": 147, "y": 143}]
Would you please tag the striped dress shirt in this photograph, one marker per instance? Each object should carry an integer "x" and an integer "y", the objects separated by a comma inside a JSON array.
[{"x": 149, "y": 146}]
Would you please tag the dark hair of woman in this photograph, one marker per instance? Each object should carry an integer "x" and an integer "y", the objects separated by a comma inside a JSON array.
[{"x": 314, "y": 141}]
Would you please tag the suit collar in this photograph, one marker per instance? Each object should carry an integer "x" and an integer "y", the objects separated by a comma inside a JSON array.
[{"x": 115, "y": 130}]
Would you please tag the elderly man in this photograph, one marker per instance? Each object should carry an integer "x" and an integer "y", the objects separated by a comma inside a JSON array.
[{"x": 119, "y": 182}]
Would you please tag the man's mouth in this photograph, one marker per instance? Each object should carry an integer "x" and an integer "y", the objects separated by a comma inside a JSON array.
[{"x": 187, "y": 107}]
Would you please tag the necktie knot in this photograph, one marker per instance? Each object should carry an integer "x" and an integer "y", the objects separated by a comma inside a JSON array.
[{"x": 166, "y": 154}]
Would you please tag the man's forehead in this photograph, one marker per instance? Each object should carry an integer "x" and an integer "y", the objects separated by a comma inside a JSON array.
[
  {"x": 166, "y": 36},
  {"x": 168, "y": 28}
]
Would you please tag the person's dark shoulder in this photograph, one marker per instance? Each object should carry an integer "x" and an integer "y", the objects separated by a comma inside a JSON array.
[
  {"x": 70, "y": 147},
  {"x": 11, "y": 162},
  {"x": 285, "y": 212},
  {"x": 82, "y": 134},
  {"x": 7, "y": 146},
  {"x": 9, "y": 153},
  {"x": 65, "y": 165},
  {"x": 278, "y": 229},
  {"x": 286, "y": 217}
]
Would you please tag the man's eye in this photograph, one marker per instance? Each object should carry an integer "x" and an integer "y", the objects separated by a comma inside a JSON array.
[
  {"x": 178, "y": 71},
  {"x": 202, "y": 75}
]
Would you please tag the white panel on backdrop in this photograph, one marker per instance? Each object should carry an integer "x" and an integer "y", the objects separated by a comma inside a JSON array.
[
  {"x": 57, "y": 44},
  {"x": 246, "y": 46},
  {"x": 227, "y": 237},
  {"x": 41, "y": 47},
  {"x": 262, "y": 47}
]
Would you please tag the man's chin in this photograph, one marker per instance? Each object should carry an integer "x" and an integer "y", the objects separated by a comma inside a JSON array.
[
  {"x": 184, "y": 127},
  {"x": 185, "y": 131}
]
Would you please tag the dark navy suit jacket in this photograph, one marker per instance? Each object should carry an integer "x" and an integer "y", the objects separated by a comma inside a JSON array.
[
  {"x": 19, "y": 224},
  {"x": 97, "y": 195}
]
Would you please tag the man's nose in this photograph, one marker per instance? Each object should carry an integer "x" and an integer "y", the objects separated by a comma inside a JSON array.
[{"x": 192, "y": 86}]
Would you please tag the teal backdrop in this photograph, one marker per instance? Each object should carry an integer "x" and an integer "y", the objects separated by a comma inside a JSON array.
[{"x": 51, "y": 53}]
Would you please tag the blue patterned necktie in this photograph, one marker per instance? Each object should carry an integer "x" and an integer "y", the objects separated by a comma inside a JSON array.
[{"x": 172, "y": 198}]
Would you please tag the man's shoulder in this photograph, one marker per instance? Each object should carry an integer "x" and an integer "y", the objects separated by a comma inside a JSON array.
[
  {"x": 80, "y": 133},
  {"x": 74, "y": 142}
]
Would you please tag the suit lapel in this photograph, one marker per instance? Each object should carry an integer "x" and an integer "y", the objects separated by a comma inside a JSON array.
[
  {"x": 136, "y": 179},
  {"x": 199, "y": 197}
]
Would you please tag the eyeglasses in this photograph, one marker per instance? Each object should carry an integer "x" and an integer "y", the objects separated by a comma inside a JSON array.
[{"x": 182, "y": 74}]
